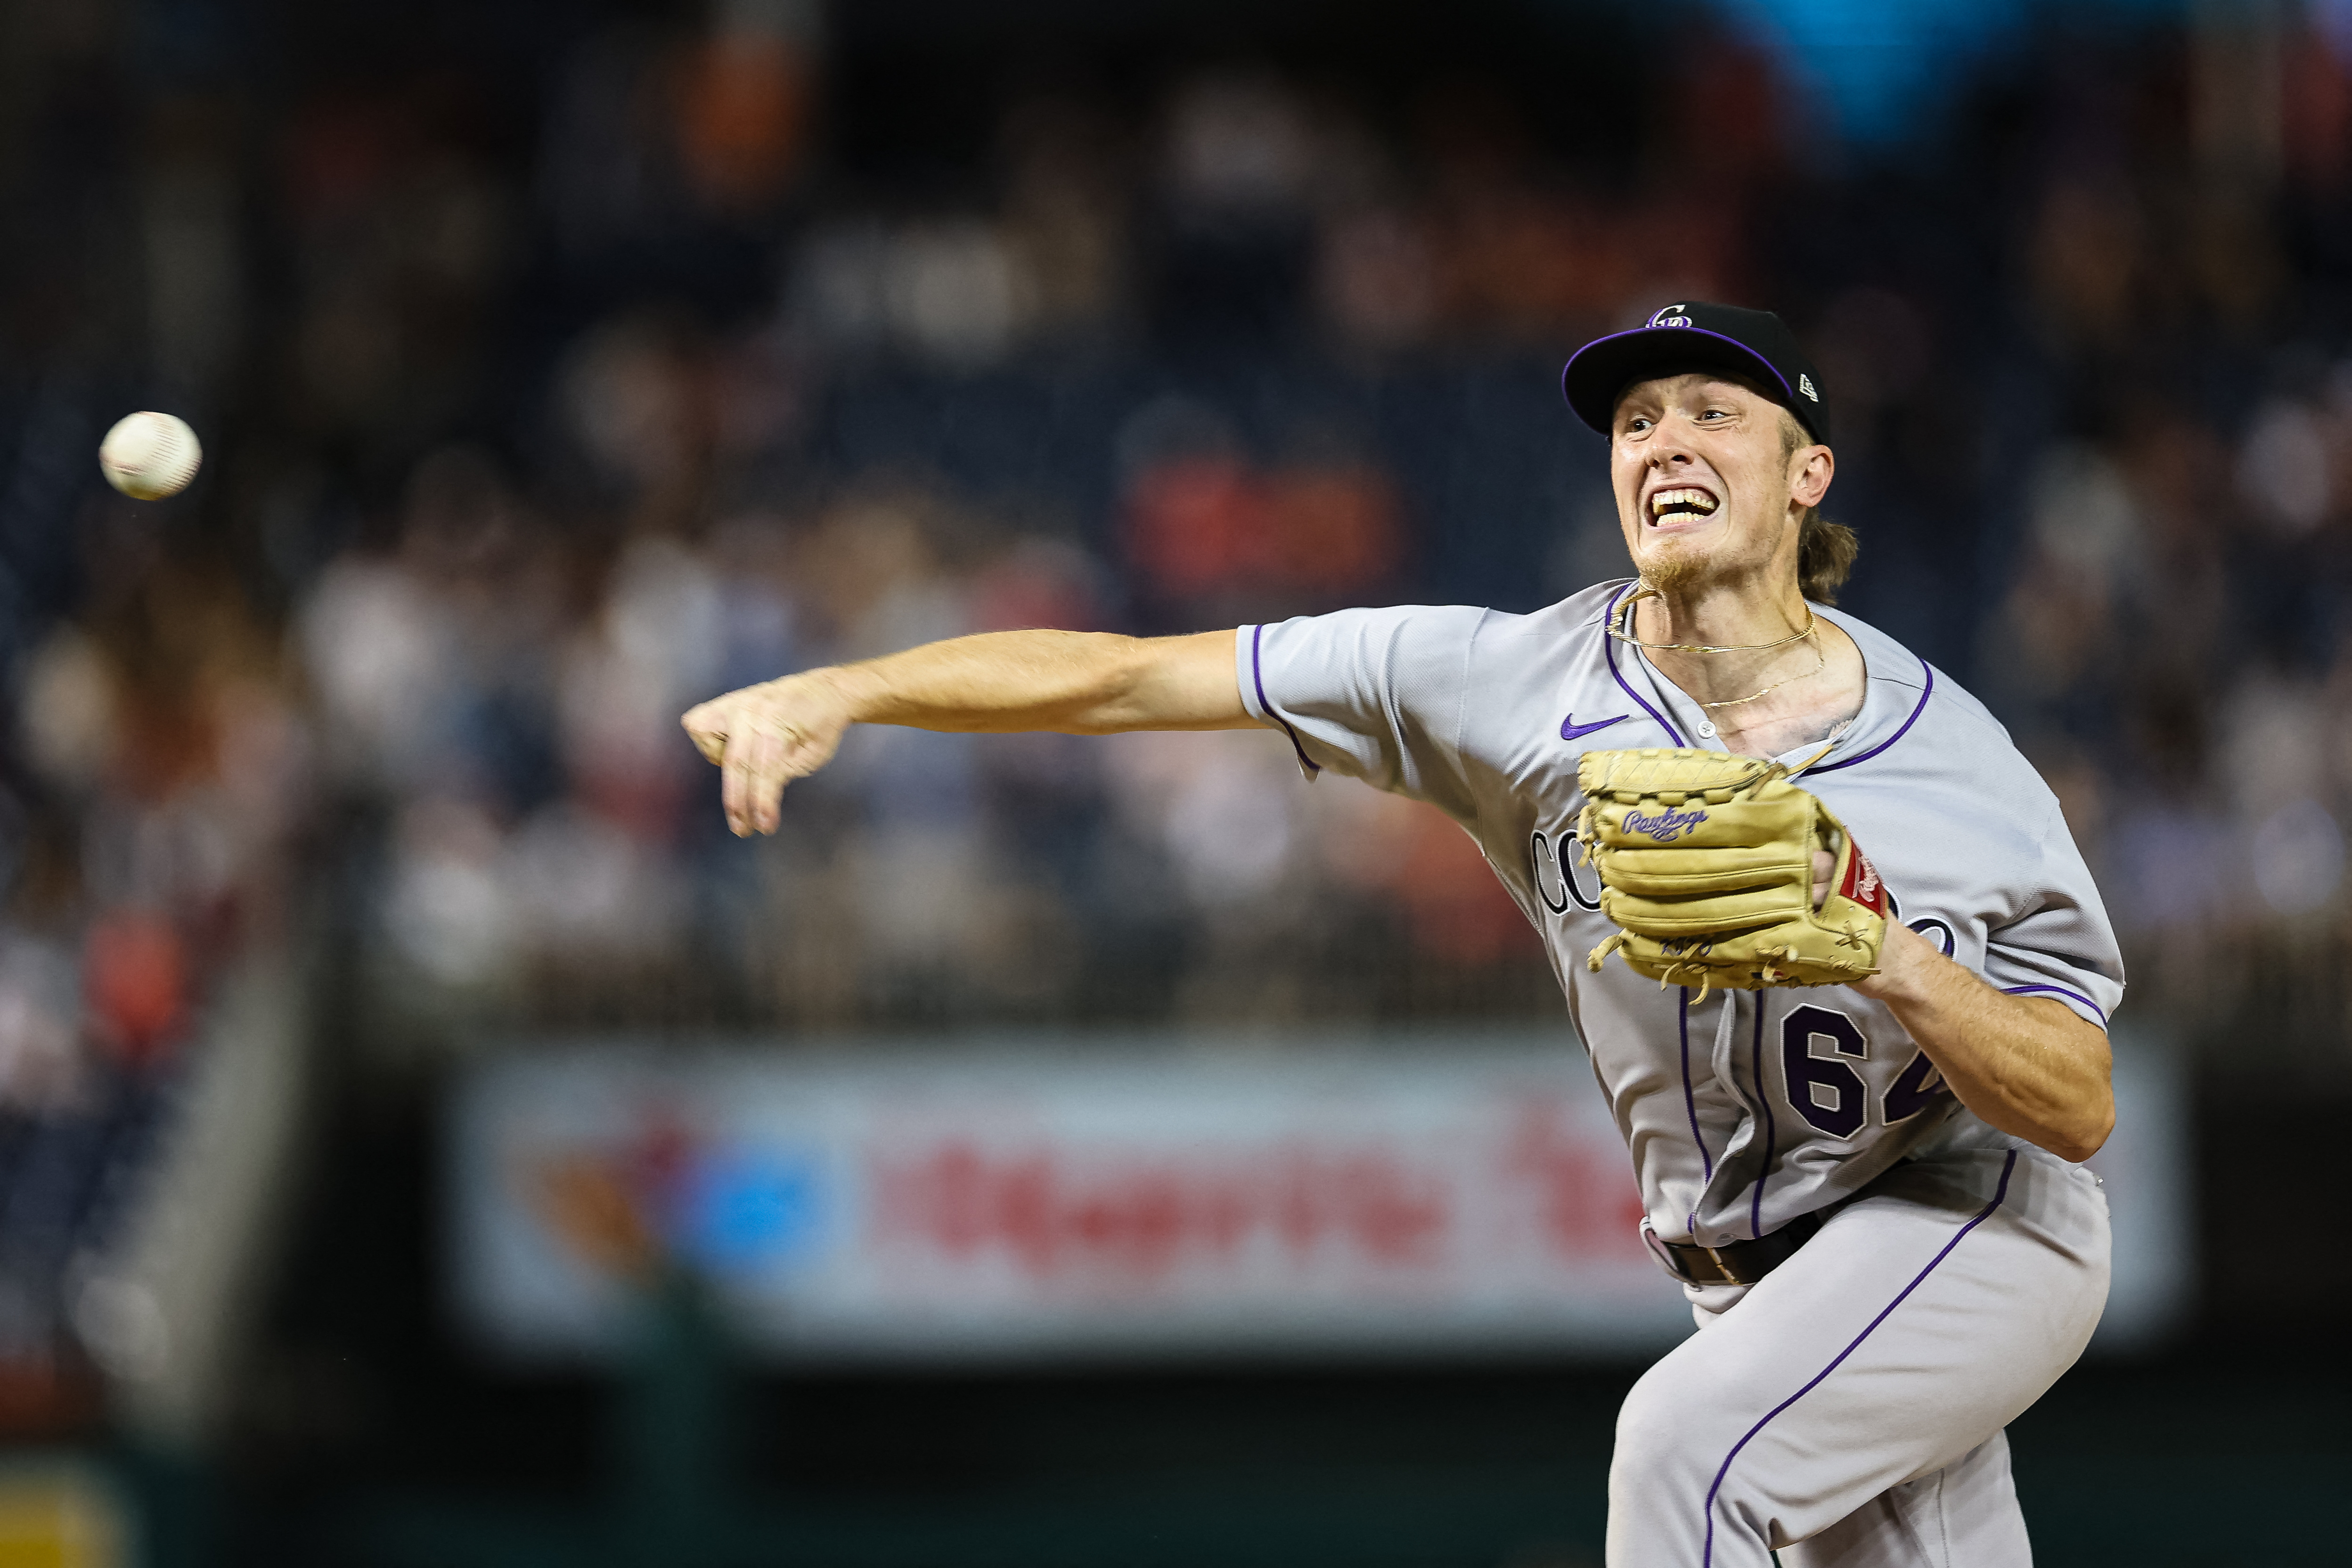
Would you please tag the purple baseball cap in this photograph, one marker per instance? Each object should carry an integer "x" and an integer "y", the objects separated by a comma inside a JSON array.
[{"x": 1754, "y": 346}]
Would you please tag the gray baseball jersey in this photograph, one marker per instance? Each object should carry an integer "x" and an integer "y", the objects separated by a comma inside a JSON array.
[
  {"x": 1850, "y": 1407},
  {"x": 1749, "y": 1108}
]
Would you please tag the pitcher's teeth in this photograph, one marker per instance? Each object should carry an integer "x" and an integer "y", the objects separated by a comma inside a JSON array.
[{"x": 1696, "y": 501}]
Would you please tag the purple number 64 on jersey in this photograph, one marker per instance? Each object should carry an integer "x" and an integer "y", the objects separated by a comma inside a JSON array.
[{"x": 1816, "y": 1045}]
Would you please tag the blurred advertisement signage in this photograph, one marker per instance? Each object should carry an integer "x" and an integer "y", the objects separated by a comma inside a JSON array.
[{"x": 993, "y": 1199}]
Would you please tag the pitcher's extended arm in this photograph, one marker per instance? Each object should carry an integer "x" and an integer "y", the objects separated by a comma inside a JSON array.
[{"x": 1078, "y": 683}]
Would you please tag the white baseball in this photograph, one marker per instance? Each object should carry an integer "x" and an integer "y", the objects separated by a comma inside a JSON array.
[{"x": 150, "y": 455}]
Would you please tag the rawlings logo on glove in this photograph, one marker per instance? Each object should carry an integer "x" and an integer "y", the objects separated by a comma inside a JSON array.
[
  {"x": 1667, "y": 826},
  {"x": 1707, "y": 869}
]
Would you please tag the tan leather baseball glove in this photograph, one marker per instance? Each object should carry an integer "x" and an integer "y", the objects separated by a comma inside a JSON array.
[{"x": 1706, "y": 868}]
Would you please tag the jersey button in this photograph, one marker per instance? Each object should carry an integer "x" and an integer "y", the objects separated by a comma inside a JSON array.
[{"x": 1706, "y": 729}]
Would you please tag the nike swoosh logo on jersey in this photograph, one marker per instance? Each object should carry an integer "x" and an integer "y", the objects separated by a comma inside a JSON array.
[{"x": 1570, "y": 729}]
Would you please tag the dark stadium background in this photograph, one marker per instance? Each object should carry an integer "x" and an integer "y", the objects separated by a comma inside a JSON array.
[{"x": 521, "y": 335}]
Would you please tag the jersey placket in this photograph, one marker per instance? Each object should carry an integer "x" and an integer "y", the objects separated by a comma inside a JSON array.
[
  {"x": 1720, "y": 1172},
  {"x": 1746, "y": 1162}
]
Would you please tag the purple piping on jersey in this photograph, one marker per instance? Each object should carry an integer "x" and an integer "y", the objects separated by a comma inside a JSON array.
[
  {"x": 1706, "y": 1557},
  {"x": 2057, "y": 991},
  {"x": 1608, "y": 651},
  {"x": 1690, "y": 1100},
  {"x": 1763, "y": 1103},
  {"x": 1929, "y": 671},
  {"x": 1258, "y": 678}
]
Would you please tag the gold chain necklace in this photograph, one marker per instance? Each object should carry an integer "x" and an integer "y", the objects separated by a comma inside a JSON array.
[
  {"x": 1616, "y": 625},
  {"x": 1820, "y": 663}
]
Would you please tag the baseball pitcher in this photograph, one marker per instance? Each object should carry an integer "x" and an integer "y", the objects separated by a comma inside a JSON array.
[{"x": 1837, "y": 963}]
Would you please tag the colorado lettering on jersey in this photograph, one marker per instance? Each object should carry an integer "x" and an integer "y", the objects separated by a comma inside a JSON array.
[{"x": 1552, "y": 862}]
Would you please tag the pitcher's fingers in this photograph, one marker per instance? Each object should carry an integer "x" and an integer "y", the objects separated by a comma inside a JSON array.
[
  {"x": 750, "y": 752},
  {"x": 731, "y": 779},
  {"x": 1824, "y": 868},
  {"x": 706, "y": 724},
  {"x": 709, "y": 741},
  {"x": 804, "y": 754},
  {"x": 767, "y": 793},
  {"x": 771, "y": 769}
]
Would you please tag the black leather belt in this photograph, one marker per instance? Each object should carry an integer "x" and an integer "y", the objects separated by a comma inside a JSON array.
[{"x": 1738, "y": 1262}]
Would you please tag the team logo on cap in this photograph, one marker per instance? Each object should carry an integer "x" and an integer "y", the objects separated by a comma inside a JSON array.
[
  {"x": 1805, "y": 385},
  {"x": 1672, "y": 316}
]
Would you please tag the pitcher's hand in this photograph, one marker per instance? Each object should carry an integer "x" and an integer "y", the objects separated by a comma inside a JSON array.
[{"x": 762, "y": 737}]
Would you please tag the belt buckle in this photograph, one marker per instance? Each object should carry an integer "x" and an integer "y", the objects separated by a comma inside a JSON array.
[{"x": 1665, "y": 1254}]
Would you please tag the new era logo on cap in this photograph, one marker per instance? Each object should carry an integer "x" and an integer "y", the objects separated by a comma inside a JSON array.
[{"x": 1805, "y": 385}]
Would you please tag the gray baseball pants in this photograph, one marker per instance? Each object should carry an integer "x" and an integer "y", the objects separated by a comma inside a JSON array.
[{"x": 1848, "y": 1410}]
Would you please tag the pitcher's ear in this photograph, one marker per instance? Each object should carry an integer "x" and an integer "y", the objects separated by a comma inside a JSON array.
[{"x": 1812, "y": 481}]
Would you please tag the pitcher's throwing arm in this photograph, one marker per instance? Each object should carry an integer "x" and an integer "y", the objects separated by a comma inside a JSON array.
[{"x": 1075, "y": 683}]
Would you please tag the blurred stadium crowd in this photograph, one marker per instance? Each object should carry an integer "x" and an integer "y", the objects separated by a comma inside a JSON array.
[{"x": 534, "y": 422}]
